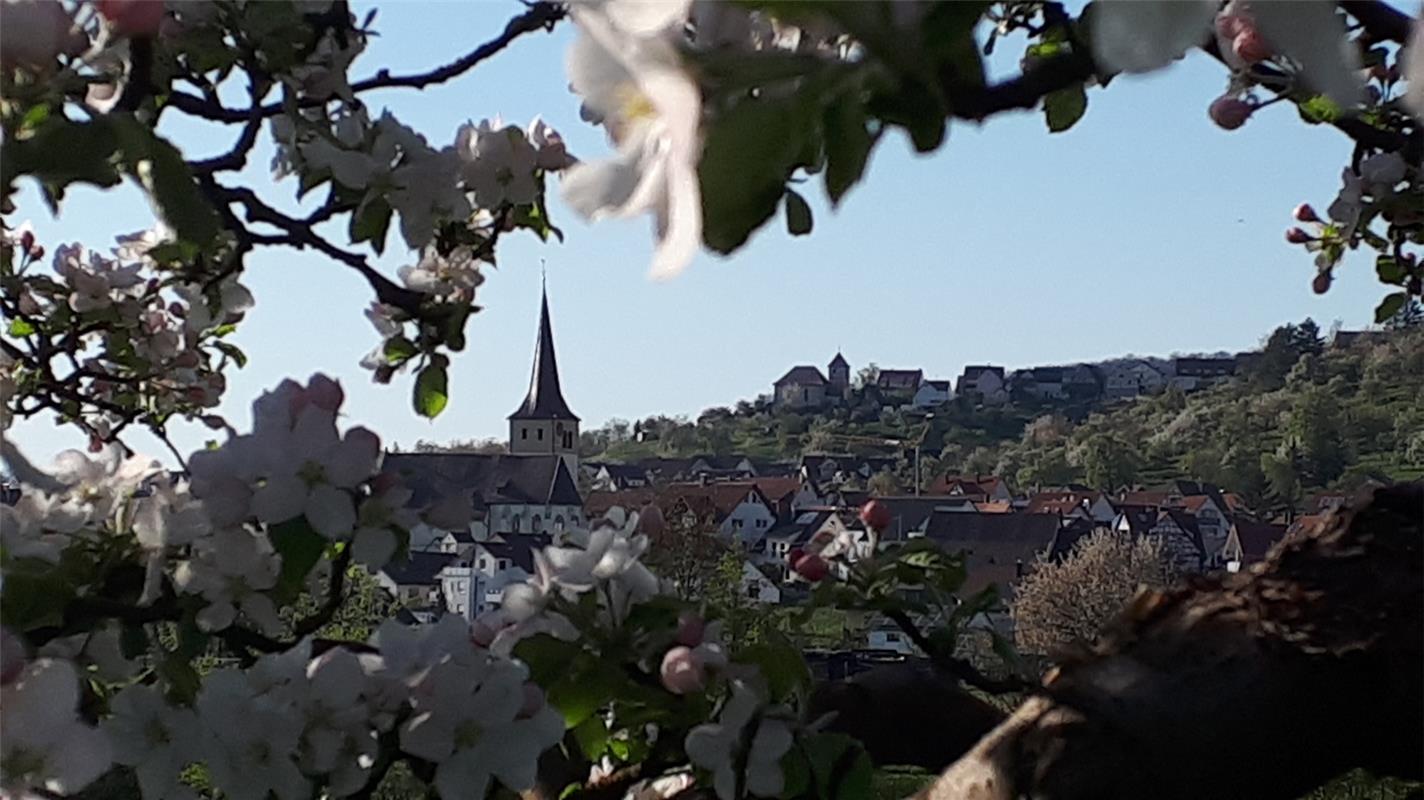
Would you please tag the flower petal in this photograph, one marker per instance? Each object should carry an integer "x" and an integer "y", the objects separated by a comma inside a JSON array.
[
  {"x": 1133, "y": 36},
  {"x": 1313, "y": 35}
]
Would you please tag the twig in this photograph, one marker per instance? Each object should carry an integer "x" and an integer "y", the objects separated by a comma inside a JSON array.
[
  {"x": 539, "y": 16},
  {"x": 957, "y": 667},
  {"x": 1382, "y": 22}
]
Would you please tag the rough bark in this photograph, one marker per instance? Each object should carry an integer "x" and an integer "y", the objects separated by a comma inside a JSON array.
[{"x": 1260, "y": 685}]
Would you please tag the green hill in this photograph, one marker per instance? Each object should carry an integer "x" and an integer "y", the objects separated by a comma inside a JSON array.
[{"x": 1300, "y": 415}]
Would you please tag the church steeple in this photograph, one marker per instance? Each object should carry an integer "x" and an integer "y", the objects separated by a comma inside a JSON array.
[
  {"x": 544, "y": 424},
  {"x": 545, "y": 400}
]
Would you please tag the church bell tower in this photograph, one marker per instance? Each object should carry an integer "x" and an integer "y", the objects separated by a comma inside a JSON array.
[{"x": 544, "y": 424}]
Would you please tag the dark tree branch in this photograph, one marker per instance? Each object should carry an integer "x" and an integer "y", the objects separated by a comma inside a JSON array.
[
  {"x": 1023, "y": 92},
  {"x": 296, "y": 233},
  {"x": 236, "y": 158},
  {"x": 540, "y": 15},
  {"x": 956, "y": 667},
  {"x": 335, "y": 594},
  {"x": 1304, "y": 667},
  {"x": 1382, "y": 22}
]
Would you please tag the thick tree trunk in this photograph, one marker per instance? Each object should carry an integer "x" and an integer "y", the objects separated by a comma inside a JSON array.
[{"x": 1261, "y": 685}]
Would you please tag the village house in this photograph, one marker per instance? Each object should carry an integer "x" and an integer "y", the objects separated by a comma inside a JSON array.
[
  {"x": 1040, "y": 382},
  {"x": 837, "y": 468},
  {"x": 1087, "y": 505},
  {"x": 931, "y": 394},
  {"x": 1248, "y": 542},
  {"x": 475, "y": 585},
  {"x": 983, "y": 382},
  {"x": 414, "y": 581},
  {"x": 1129, "y": 379},
  {"x": 985, "y": 488},
  {"x": 998, "y": 548},
  {"x": 801, "y": 387},
  {"x": 614, "y": 477},
  {"x": 737, "y": 510},
  {"x": 899, "y": 382},
  {"x": 1192, "y": 373}
]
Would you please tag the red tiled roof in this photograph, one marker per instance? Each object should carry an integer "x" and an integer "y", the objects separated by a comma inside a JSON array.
[
  {"x": 778, "y": 487},
  {"x": 1059, "y": 502},
  {"x": 999, "y": 507},
  {"x": 1143, "y": 498}
]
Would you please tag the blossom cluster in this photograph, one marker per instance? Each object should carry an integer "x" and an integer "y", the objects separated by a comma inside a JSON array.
[
  {"x": 291, "y": 720},
  {"x": 155, "y": 335}
]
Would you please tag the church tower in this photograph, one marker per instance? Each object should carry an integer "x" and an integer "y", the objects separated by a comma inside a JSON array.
[
  {"x": 543, "y": 424},
  {"x": 839, "y": 372}
]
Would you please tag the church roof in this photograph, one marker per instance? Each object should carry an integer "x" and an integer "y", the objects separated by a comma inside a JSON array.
[
  {"x": 839, "y": 360},
  {"x": 545, "y": 400},
  {"x": 487, "y": 478}
]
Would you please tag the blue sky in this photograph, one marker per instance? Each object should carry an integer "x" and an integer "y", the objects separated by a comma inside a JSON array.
[{"x": 1144, "y": 229}]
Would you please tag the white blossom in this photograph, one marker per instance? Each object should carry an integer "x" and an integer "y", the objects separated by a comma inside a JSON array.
[
  {"x": 154, "y": 738},
  {"x": 133, "y": 248},
  {"x": 249, "y": 739},
  {"x": 43, "y": 743},
  {"x": 1414, "y": 70},
  {"x": 338, "y": 740},
  {"x": 626, "y": 66},
  {"x": 552, "y": 154},
  {"x": 92, "y": 277},
  {"x": 1131, "y": 36},
  {"x": 497, "y": 162},
  {"x": 456, "y": 275},
  {"x": 231, "y": 569},
  {"x": 716, "y": 746}
]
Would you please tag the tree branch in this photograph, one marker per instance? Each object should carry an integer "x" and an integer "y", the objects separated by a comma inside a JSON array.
[
  {"x": 540, "y": 15},
  {"x": 957, "y": 667},
  {"x": 298, "y": 234},
  {"x": 1382, "y": 22},
  {"x": 1023, "y": 92},
  {"x": 1260, "y": 685}
]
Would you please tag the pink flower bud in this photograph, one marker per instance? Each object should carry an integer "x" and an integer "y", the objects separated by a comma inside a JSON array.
[
  {"x": 133, "y": 17},
  {"x": 325, "y": 393},
  {"x": 37, "y": 252},
  {"x": 1229, "y": 26},
  {"x": 1321, "y": 284},
  {"x": 1304, "y": 213},
  {"x": 186, "y": 359},
  {"x": 1229, "y": 112},
  {"x": 96, "y": 444},
  {"x": 812, "y": 567},
  {"x": 690, "y": 629},
  {"x": 1250, "y": 46},
  {"x": 27, "y": 241},
  {"x": 681, "y": 673},
  {"x": 533, "y": 701},
  {"x": 1298, "y": 236}
]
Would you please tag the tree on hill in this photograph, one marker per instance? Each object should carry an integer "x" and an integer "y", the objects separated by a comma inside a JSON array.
[
  {"x": 1109, "y": 463},
  {"x": 867, "y": 375},
  {"x": 490, "y": 445}
]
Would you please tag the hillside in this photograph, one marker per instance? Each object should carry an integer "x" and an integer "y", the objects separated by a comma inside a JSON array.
[{"x": 1300, "y": 415}]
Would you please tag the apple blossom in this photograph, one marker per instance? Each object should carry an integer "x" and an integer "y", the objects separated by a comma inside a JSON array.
[
  {"x": 739, "y": 738},
  {"x": 626, "y": 67},
  {"x": 552, "y": 156},
  {"x": 231, "y": 570},
  {"x": 249, "y": 739},
  {"x": 454, "y": 276},
  {"x": 153, "y": 737},
  {"x": 497, "y": 163},
  {"x": 43, "y": 743}
]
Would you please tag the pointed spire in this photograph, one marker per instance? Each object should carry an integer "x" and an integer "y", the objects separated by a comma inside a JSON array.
[{"x": 545, "y": 400}]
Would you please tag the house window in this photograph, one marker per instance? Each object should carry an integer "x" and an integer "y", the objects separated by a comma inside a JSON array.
[
  {"x": 524, "y": 433},
  {"x": 753, "y": 591},
  {"x": 540, "y": 434},
  {"x": 503, "y": 564},
  {"x": 559, "y": 522},
  {"x": 536, "y": 524},
  {"x": 892, "y": 637},
  {"x": 514, "y": 524},
  {"x": 761, "y": 523},
  {"x": 736, "y": 524}
]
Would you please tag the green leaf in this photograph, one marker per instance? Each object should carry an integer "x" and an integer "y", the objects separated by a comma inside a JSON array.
[
  {"x": 848, "y": 146},
  {"x": 159, "y": 168},
  {"x": 798, "y": 214},
  {"x": 917, "y": 109},
  {"x": 1318, "y": 109},
  {"x": 181, "y": 677},
  {"x": 747, "y": 159},
  {"x": 1390, "y": 270},
  {"x": 398, "y": 349},
  {"x": 1063, "y": 108},
  {"x": 233, "y": 352},
  {"x": 839, "y": 765},
  {"x": 19, "y": 327},
  {"x": 590, "y": 685},
  {"x": 592, "y": 737},
  {"x": 60, "y": 152},
  {"x": 431, "y": 390},
  {"x": 370, "y": 223},
  {"x": 300, "y": 548},
  {"x": 1390, "y": 306},
  {"x": 780, "y": 662},
  {"x": 548, "y": 658}
]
